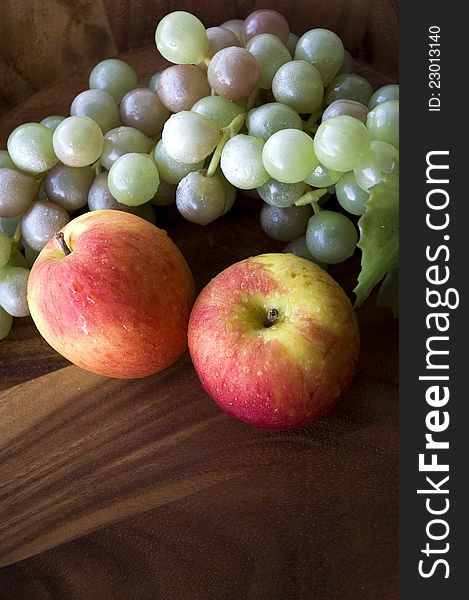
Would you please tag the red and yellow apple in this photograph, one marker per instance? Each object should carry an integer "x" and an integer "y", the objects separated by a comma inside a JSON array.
[
  {"x": 274, "y": 340},
  {"x": 112, "y": 293}
]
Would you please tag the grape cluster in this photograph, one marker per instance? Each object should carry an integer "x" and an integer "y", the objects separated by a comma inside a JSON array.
[{"x": 247, "y": 105}]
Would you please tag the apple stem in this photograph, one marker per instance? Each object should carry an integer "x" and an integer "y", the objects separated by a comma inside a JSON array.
[
  {"x": 271, "y": 317},
  {"x": 59, "y": 238}
]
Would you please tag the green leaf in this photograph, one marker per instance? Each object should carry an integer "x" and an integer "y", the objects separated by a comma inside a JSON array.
[
  {"x": 388, "y": 294},
  {"x": 379, "y": 236}
]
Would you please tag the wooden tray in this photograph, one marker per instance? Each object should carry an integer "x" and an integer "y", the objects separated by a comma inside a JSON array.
[{"x": 144, "y": 489}]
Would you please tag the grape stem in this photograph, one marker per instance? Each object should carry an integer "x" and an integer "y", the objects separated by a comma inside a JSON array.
[
  {"x": 15, "y": 242},
  {"x": 227, "y": 133},
  {"x": 17, "y": 234},
  {"x": 316, "y": 207},
  {"x": 59, "y": 238},
  {"x": 312, "y": 197}
]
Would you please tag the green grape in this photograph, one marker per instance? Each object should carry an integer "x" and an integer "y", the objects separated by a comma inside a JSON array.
[
  {"x": 280, "y": 194},
  {"x": 341, "y": 143},
  {"x": 13, "y": 286},
  {"x": 322, "y": 177},
  {"x": 383, "y": 94},
  {"x": 323, "y": 49},
  {"x": 133, "y": 179},
  {"x": 5, "y": 248},
  {"x": 270, "y": 54},
  {"x": 345, "y": 107},
  {"x": 181, "y": 38},
  {"x": 220, "y": 110},
  {"x": 41, "y": 222},
  {"x": 100, "y": 198},
  {"x": 171, "y": 170},
  {"x": 381, "y": 160},
  {"x": 288, "y": 156},
  {"x": 52, "y": 121},
  {"x": 200, "y": 199},
  {"x": 241, "y": 162},
  {"x": 348, "y": 86},
  {"x": 298, "y": 84},
  {"x": 383, "y": 122},
  {"x": 78, "y": 141},
  {"x": 189, "y": 137},
  {"x": 17, "y": 192},
  {"x": 5, "y": 160},
  {"x": 30, "y": 148},
  {"x": 299, "y": 247},
  {"x": 331, "y": 237},
  {"x": 285, "y": 224},
  {"x": 350, "y": 195},
  {"x": 165, "y": 195},
  {"x": 113, "y": 76},
  {"x": 6, "y": 323},
  {"x": 264, "y": 121},
  {"x": 123, "y": 140},
  {"x": 99, "y": 106}
]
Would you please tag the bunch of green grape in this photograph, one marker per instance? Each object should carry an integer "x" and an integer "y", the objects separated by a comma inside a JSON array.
[{"x": 245, "y": 106}]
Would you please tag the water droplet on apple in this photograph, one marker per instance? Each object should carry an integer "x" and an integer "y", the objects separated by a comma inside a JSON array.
[
  {"x": 259, "y": 373},
  {"x": 246, "y": 369},
  {"x": 83, "y": 324},
  {"x": 229, "y": 353}
]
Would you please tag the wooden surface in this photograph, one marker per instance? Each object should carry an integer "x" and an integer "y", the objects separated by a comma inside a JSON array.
[{"x": 145, "y": 490}]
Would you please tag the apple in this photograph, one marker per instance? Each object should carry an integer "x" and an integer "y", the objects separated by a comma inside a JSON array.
[
  {"x": 112, "y": 293},
  {"x": 274, "y": 340}
]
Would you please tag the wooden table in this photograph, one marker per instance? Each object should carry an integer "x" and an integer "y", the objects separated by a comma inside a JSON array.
[{"x": 145, "y": 490}]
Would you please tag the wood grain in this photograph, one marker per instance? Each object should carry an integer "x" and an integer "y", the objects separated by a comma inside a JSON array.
[{"x": 145, "y": 490}]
